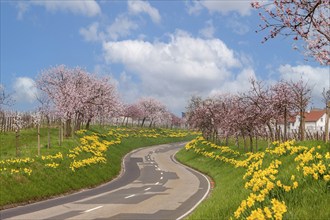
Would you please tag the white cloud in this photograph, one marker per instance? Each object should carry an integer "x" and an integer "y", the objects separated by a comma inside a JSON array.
[
  {"x": 87, "y": 8},
  {"x": 242, "y": 7},
  {"x": 137, "y": 7},
  {"x": 121, "y": 27},
  {"x": 193, "y": 7},
  {"x": 173, "y": 71},
  {"x": 25, "y": 90},
  {"x": 91, "y": 33},
  {"x": 240, "y": 84},
  {"x": 208, "y": 31},
  {"x": 316, "y": 77}
]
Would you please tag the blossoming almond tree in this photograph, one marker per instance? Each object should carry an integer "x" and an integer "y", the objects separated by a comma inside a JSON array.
[
  {"x": 152, "y": 109},
  {"x": 77, "y": 95},
  {"x": 283, "y": 103},
  {"x": 301, "y": 19}
]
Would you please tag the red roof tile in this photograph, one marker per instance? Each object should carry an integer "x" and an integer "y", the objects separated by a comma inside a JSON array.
[{"x": 314, "y": 115}]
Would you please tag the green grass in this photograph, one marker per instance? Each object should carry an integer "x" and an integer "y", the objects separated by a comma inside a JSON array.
[
  {"x": 48, "y": 182},
  {"x": 224, "y": 197},
  {"x": 310, "y": 200}
]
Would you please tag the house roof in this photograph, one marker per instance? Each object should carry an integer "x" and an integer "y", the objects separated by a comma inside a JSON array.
[{"x": 314, "y": 115}]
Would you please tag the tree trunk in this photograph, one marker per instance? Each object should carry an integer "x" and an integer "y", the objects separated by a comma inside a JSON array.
[
  {"x": 38, "y": 127},
  {"x": 270, "y": 131},
  {"x": 251, "y": 142},
  {"x": 17, "y": 143},
  {"x": 302, "y": 126},
  {"x": 285, "y": 123},
  {"x": 126, "y": 121},
  {"x": 256, "y": 143},
  {"x": 326, "y": 130},
  {"x": 236, "y": 140},
  {"x": 48, "y": 131},
  {"x": 68, "y": 128},
  {"x": 143, "y": 122},
  {"x": 88, "y": 123},
  {"x": 244, "y": 141}
]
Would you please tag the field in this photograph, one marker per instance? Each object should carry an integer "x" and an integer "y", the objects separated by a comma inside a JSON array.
[
  {"x": 86, "y": 160},
  {"x": 287, "y": 180}
]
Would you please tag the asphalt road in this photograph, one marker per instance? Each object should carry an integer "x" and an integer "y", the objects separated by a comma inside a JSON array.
[{"x": 152, "y": 185}]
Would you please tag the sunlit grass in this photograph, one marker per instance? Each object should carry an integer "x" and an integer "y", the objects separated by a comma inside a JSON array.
[
  {"x": 30, "y": 178},
  {"x": 227, "y": 170}
]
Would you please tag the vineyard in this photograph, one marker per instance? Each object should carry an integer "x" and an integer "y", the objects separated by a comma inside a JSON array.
[{"x": 287, "y": 180}]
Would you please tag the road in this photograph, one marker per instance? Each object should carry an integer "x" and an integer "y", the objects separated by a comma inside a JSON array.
[{"x": 152, "y": 185}]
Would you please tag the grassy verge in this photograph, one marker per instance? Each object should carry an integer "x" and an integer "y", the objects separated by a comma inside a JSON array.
[
  {"x": 268, "y": 196},
  {"x": 91, "y": 158}
]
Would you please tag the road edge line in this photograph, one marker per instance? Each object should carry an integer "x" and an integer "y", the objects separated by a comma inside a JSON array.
[{"x": 205, "y": 195}]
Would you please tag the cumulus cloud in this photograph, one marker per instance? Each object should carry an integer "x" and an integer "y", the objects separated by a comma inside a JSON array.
[
  {"x": 137, "y": 7},
  {"x": 87, "y": 8},
  {"x": 123, "y": 25},
  {"x": 223, "y": 7},
  {"x": 25, "y": 90},
  {"x": 174, "y": 70},
  {"x": 316, "y": 77}
]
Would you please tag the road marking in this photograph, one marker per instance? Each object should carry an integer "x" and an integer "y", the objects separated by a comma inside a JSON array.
[
  {"x": 207, "y": 192},
  {"x": 89, "y": 210},
  {"x": 147, "y": 189},
  {"x": 129, "y": 196},
  {"x": 161, "y": 178},
  {"x": 161, "y": 173},
  {"x": 157, "y": 183}
]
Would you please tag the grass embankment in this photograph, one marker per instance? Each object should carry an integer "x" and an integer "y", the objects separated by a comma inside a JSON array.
[
  {"x": 89, "y": 159},
  {"x": 288, "y": 180}
]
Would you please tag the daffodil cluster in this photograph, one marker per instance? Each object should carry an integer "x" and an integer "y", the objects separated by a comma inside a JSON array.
[
  {"x": 90, "y": 151},
  {"x": 262, "y": 178},
  {"x": 313, "y": 163},
  {"x": 52, "y": 161},
  {"x": 16, "y": 166}
]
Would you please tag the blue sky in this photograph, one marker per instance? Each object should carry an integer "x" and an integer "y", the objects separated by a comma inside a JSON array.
[{"x": 170, "y": 50}]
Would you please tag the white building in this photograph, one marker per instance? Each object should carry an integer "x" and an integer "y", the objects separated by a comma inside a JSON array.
[{"x": 314, "y": 121}]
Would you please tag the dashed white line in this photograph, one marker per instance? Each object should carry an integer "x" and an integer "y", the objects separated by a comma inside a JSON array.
[
  {"x": 98, "y": 207},
  {"x": 147, "y": 189},
  {"x": 129, "y": 196},
  {"x": 161, "y": 173},
  {"x": 157, "y": 183},
  {"x": 161, "y": 178}
]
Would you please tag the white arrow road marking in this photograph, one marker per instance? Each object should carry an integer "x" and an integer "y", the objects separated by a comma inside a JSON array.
[
  {"x": 89, "y": 210},
  {"x": 129, "y": 196}
]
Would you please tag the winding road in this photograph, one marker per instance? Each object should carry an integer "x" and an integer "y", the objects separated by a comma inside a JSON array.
[{"x": 152, "y": 185}]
